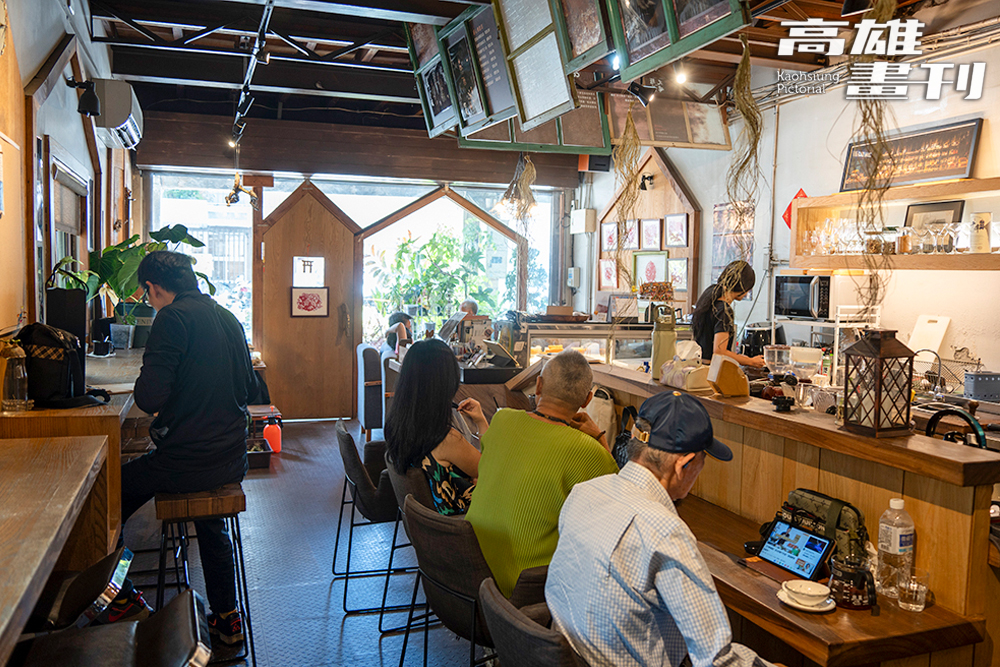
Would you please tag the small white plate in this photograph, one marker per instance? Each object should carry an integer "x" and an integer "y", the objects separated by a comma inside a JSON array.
[{"x": 826, "y": 605}]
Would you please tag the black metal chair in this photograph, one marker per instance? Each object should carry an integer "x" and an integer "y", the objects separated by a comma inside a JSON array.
[
  {"x": 452, "y": 567},
  {"x": 376, "y": 504},
  {"x": 524, "y": 637}
]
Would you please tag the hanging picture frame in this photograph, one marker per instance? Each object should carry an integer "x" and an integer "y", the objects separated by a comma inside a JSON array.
[
  {"x": 630, "y": 241},
  {"x": 675, "y": 230},
  {"x": 474, "y": 68},
  {"x": 310, "y": 301},
  {"x": 677, "y": 273},
  {"x": 649, "y": 267},
  {"x": 584, "y": 130},
  {"x": 609, "y": 236},
  {"x": 440, "y": 114},
  {"x": 535, "y": 61},
  {"x": 580, "y": 28},
  {"x": 653, "y": 33},
  {"x": 649, "y": 234},
  {"x": 608, "y": 278}
]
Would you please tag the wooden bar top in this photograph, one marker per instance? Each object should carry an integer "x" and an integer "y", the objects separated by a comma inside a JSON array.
[
  {"x": 834, "y": 639},
  {"x": 44, "y": 484},
  {"x": 117, "y": 409},
  {"x": 930, "y": 457}
]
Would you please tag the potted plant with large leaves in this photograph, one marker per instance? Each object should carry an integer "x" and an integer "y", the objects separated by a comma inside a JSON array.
[{"x": 114, "y": 273}]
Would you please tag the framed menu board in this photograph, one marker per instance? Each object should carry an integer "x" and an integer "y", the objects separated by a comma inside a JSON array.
[
  {"x": 440, "y": 113},
  {"x": 581, "y": 32},
  {"x": 475, "y": 70},
  {"x": 536, "y": 63},
  {"x": 669, "y": 122},
  {"x": 584, "y": 130},
  {"x": 651, "y": 33}
]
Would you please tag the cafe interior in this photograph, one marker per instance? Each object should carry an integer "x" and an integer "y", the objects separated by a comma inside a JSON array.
[{"x": 346, "y": 177}]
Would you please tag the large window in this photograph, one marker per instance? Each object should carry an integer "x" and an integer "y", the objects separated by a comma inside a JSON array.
[{"x": 197, "y": 201}]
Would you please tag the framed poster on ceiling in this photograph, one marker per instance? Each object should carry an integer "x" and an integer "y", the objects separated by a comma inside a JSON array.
[
  {"x": 435, "y": 98},
  {"x": 584, "y": 130},
  {"x": 475, "y": 70},
  {"x": 668, "y": 122},
  {"x": 651, "y": 33},
  {"x": 535, "y": 61},
  {"x": 581, "y": 32}
]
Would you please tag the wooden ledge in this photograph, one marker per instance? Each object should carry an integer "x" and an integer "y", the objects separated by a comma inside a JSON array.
[
  {"x": 929, "y": 457},
  {"x": 836, "y": 639}
]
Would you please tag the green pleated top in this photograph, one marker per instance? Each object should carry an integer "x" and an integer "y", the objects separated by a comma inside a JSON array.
[{"x": 527, "y": 469}]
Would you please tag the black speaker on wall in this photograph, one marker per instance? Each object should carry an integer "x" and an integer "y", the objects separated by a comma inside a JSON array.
[{"x": 66, "y": 309}]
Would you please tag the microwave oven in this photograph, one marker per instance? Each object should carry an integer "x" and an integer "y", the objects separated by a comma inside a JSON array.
[{"x": 813, "y": 297}]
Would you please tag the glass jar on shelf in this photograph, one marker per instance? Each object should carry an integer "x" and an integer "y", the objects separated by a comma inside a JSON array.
[{"x": 904, "y": 241}]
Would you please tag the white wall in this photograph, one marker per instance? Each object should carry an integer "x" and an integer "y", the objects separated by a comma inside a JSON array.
[{"x": 813, "y": 134}]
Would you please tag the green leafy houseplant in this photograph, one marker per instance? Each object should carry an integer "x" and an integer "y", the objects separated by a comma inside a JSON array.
[{"x": 114, "y": 270}]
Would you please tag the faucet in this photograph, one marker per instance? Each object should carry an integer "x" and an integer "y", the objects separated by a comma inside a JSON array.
[{"x": 939, "y": 384}]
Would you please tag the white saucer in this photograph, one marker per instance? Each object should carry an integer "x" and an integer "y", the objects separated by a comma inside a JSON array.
[{"x": 826, "y": 605}]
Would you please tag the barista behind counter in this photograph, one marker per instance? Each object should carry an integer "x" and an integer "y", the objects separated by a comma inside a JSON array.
[{"x": 713, "y": 322}]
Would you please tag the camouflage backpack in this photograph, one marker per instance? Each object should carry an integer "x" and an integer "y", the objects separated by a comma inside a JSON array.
[{"x": 833, "y": 518}]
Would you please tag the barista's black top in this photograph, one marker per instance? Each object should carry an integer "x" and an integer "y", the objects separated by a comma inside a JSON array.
[
  {"x": 722, "y": 321},
  {"x": 196, "y": 373}
]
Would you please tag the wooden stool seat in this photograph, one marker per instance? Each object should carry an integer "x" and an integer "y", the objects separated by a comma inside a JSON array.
[{"x": 226, "y": 500}]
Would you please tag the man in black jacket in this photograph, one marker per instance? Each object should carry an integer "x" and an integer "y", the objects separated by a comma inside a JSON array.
[{"x": 196, "y": 377}]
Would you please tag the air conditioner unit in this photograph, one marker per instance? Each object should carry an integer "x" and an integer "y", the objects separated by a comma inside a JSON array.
[{"x": 120, "y": 122}]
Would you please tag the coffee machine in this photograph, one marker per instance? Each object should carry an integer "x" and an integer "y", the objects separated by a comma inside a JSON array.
[{"x": 757, "y": 335}]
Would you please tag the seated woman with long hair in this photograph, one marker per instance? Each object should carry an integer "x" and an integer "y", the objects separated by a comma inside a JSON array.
[{"x": 419, "y": 431}]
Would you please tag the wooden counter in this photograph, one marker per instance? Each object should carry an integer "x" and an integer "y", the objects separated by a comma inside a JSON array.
[
  {"x": 100, "y": 420},
  {"x": 491, "y": 397},
  {"x": 835, "y": 639},
  {"x": 51, "y": 501},
  {"x": 946, "y": 487}
]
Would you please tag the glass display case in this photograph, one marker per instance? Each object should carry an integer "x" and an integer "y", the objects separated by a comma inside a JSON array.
[{"x": 626, "y": 345}]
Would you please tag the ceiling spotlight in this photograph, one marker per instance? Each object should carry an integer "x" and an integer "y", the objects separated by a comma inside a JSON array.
[
  {"x": 680, "y": 77},
  {"x": 616, "y": 62},
  {"x": 90, "y": 103},
  {"x": 644, "y": 94},
  {"x": 246, "y": 102},
  {"x": 232, "y": 143},
  {"x": 647, "y": 182},
  {"x": 263, "y": 56}
]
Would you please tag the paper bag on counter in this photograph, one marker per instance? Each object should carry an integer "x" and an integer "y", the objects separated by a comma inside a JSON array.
[{"x": 727, "y": 378}]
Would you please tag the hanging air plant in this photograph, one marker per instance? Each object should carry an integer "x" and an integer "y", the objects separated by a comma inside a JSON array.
[
  {"x": 520, "y": 200},
  {"x": 870, "y": 126},
  {"x": 744, "y": 171},
  {"x": 627, "y": 178}
]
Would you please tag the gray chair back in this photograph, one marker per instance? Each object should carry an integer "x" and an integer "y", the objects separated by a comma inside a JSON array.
[
  {"x": 413, "y": 483},
  {"x": 369, "y": 387},
  {"x": 522, "y": 636},
  {"x": 452, "y": 567},
  {"x": 388, "y": 381},
  {"x": 375, "y": 503}
]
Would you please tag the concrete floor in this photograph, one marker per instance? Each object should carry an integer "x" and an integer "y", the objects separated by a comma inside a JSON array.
[{"x": 288, "y": 537}]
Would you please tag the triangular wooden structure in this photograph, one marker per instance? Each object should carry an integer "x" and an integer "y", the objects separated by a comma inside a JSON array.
[
  {"x": 666, "y": 195},
  {"x": 520, "y": 242}
]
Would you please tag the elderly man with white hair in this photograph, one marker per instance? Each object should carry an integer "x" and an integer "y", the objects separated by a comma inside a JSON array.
[{"x": 530, "y": 463}]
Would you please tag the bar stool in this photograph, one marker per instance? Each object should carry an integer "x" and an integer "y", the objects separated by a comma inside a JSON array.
[{"x": 174, "y": 512}]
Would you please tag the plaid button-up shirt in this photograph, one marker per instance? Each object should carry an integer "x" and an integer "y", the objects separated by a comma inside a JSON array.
[{"x": 627, "y": 584}]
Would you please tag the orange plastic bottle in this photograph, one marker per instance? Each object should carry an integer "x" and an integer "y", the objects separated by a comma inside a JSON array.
[{"x": 272, "y": 433}]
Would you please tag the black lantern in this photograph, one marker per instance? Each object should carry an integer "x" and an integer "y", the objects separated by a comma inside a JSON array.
[{"x": 878, "y": 374}]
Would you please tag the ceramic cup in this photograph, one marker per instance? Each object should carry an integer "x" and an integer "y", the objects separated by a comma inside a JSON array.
[{"x": 808, "y": 593}]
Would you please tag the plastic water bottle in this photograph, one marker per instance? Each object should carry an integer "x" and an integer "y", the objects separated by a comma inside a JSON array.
[{"x": 896, "y": 534}]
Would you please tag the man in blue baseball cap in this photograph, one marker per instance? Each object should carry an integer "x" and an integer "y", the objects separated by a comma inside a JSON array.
[{"x": 627, "y": 584}]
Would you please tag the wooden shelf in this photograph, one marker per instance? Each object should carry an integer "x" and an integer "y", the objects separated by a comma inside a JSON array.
[
  {"x": 836, "y": 639},
  {"x": 957, "y": 262},
  {"x": 810, "y": 212}
]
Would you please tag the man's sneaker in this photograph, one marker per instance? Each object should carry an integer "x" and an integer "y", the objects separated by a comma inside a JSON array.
[
  {"x": 129, "y": 606},
  {"x": 228, "y": 627}
]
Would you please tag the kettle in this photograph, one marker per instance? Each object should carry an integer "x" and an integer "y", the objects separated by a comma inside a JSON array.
[
  {"x": 664, "y": 339},
  {"x": 851, "y": 583}
]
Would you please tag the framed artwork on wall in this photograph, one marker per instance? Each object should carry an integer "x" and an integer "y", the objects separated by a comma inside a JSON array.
[
  {"x": 609, "y": 236},
  {"x": 919, "y": 216},
  {"x": 310, "y": 301},
  {"x": 649, "y": 267},
  {"x": 609, "y": 275},
  {"x": 631, "y": 240},
  {"x": 676, "y": 230},
  {"x": 677, "y": 273},
  {"x": 650, "y": 237}
]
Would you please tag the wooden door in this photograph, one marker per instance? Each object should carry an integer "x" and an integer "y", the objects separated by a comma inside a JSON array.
[{"x": 311, "y": 360}]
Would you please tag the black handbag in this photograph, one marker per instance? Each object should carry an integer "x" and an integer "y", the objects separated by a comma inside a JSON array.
[
  {"x": 55, "y": 371},
  {"x": 620, "y": 449}
]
